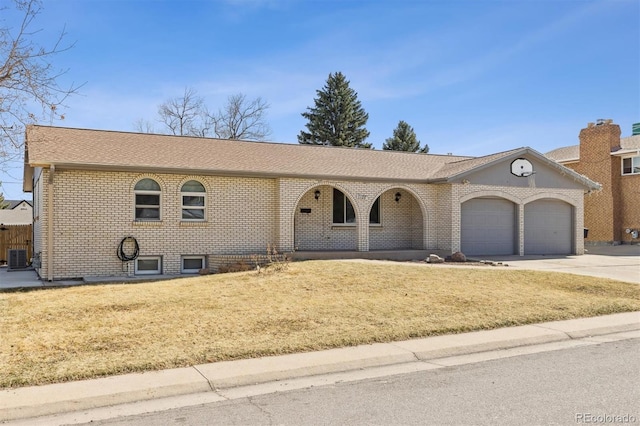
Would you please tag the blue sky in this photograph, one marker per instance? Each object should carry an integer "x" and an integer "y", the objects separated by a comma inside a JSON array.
[{"x": 471, "y": 77}]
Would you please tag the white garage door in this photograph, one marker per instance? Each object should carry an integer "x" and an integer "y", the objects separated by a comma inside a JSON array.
[
  {"x": 548, "y": 227},
  {"x": 488, "y": 227}
]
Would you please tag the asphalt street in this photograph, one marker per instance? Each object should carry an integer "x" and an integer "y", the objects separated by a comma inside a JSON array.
[{"x": 583, "y": 384}]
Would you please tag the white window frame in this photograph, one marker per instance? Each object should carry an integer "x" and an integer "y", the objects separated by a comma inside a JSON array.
[
  {"x": 203, "y": 263},
  {"x": 157, "y": 271},
  {"x": 136, "y": 206},
  {"x": 193, "y": 194},
  {"x": 634, "y": 159}
]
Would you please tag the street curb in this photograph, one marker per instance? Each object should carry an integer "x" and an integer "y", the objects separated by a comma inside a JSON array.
[{"x": 34, "y": 401}]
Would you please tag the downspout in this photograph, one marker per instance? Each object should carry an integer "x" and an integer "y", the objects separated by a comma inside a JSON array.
[{"x": 52, "y": 171}]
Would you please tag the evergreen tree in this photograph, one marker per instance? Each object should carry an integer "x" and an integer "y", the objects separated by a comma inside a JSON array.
[
  {"x": 404, "y": 139},
  {"x": 3, "y": 204},
  {"x": 338, "y": 118}
]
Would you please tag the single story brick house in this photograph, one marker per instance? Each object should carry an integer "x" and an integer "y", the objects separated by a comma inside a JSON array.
[
  {"x": 189, "y": 201},
  {"x": 612, "y": 214}
]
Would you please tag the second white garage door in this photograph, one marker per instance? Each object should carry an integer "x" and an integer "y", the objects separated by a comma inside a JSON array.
[
  {"x": 488, "y": 227},
  {"x": 548, "y": 227}
]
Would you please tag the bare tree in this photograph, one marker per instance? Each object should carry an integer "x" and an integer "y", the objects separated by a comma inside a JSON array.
[
  {"x": 183, "y": 115},
  {"x": 29, "y": 89},
  {"x": 241, "y": 119},
  {"x": 143, "y": 126},
  {"x": 187, "y": 115}
]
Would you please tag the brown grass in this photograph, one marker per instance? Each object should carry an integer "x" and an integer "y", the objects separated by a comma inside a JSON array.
[{"x": 81, "y": 332}]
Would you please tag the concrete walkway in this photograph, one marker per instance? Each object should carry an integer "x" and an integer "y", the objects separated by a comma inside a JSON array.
[
  {"x": 29, "y": 402},
  {"x": 27, "y": 278}
]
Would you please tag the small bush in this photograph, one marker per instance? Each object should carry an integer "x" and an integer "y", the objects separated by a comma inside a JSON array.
[
  {"x": 240, "y": 266},
  {"x": 275, "y": 261}
]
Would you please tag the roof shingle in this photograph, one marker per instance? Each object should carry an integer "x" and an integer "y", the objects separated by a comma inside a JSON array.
[
  {"x": 162, "y": 153},
  {"x": 572, "y": 153}
]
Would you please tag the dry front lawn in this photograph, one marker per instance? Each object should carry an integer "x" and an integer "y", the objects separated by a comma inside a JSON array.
[{"x": 63, "y": 334}]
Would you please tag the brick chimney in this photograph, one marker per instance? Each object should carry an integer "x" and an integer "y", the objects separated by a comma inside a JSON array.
[{"x": 603, "y": 208}]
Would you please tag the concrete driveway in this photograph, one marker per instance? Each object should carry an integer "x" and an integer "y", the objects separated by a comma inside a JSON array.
[{"x": 620, "y": 263}]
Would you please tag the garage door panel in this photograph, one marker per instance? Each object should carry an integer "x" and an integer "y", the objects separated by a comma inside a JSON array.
[
  {"x": 488, "y": 227},
  {"x": 548, "y": 227}
]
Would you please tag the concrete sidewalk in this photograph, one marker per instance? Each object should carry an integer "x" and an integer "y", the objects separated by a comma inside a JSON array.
[{"x": 36, "y": 401}]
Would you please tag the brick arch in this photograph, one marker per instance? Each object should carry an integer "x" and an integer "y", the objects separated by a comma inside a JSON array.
[
  {"x": 337, "y": 236},
  {"x": 423, "y": 208},
  {"x": 552, "y": 196},
  {"x": 490, "y": 193},
  {"x": 138, "y": 178},
  {"x": 204, "y": 182},
  {"x": 336, "y": 185}
]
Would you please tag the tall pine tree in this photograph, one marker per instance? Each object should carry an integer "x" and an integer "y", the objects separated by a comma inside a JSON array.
[
  {"x": 404, "y": 139},
  {"x": 338, "y": 118}
]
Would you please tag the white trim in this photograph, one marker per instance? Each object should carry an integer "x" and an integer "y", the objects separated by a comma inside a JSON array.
[
  {"x": 148, "y": 272},
  {"x": 631, "y": 157},
  {"x": 626, "y": 152},
  {"x": 137, "y": 192},
  {"x": 184, "y": 207}
]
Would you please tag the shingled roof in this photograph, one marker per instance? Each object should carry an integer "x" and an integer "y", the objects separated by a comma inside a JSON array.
[
  {"x": 571, "y": 153},
  {"x": 100, "y": 149},
  {"x": 113, "y": 150}
]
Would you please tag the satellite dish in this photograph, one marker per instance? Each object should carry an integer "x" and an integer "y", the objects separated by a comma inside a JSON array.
[{"x": 521, "y": 167}]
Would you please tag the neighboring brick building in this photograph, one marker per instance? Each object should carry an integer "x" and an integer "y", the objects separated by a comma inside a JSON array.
[
  {"x": 614, "y": 162},
  {"x": 189, "y": 202}
]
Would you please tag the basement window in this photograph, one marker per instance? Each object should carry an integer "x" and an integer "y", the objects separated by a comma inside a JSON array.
[
  {"x": 631, "y": 165},
  {"x": 192, "y": 264},
  {"x": 148, "y": 265}
]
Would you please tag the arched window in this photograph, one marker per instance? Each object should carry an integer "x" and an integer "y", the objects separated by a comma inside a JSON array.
[
  {"x": 374, "y": 214},
  {"x": 193, "y": 200},
  {"x": 147, "y": 200},
  {"x": 343, "y": 211}
]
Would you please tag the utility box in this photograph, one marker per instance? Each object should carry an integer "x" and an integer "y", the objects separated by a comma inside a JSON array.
[{"x": 17, "y": 259}]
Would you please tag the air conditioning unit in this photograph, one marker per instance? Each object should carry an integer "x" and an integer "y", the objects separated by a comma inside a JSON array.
[{"x": 17, "y": 259}]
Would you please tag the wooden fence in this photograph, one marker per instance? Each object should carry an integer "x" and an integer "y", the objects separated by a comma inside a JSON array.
[{"x": 15, "y": 237}]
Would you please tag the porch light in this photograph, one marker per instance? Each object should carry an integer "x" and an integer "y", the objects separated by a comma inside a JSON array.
[
  {"x": 316, "y": 194},
  {"x": 398, "y": 196}
]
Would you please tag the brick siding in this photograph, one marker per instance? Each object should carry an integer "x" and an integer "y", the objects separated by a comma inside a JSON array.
[
  {"x": 93, "y": 211},
  {"x": 616, "y": 207}
]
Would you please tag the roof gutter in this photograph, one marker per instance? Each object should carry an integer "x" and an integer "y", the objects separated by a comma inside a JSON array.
[
  {"x": 50, "y": 181},
  {"x": 622, "y": 152},
  {"x": 217, "y": 172}
]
